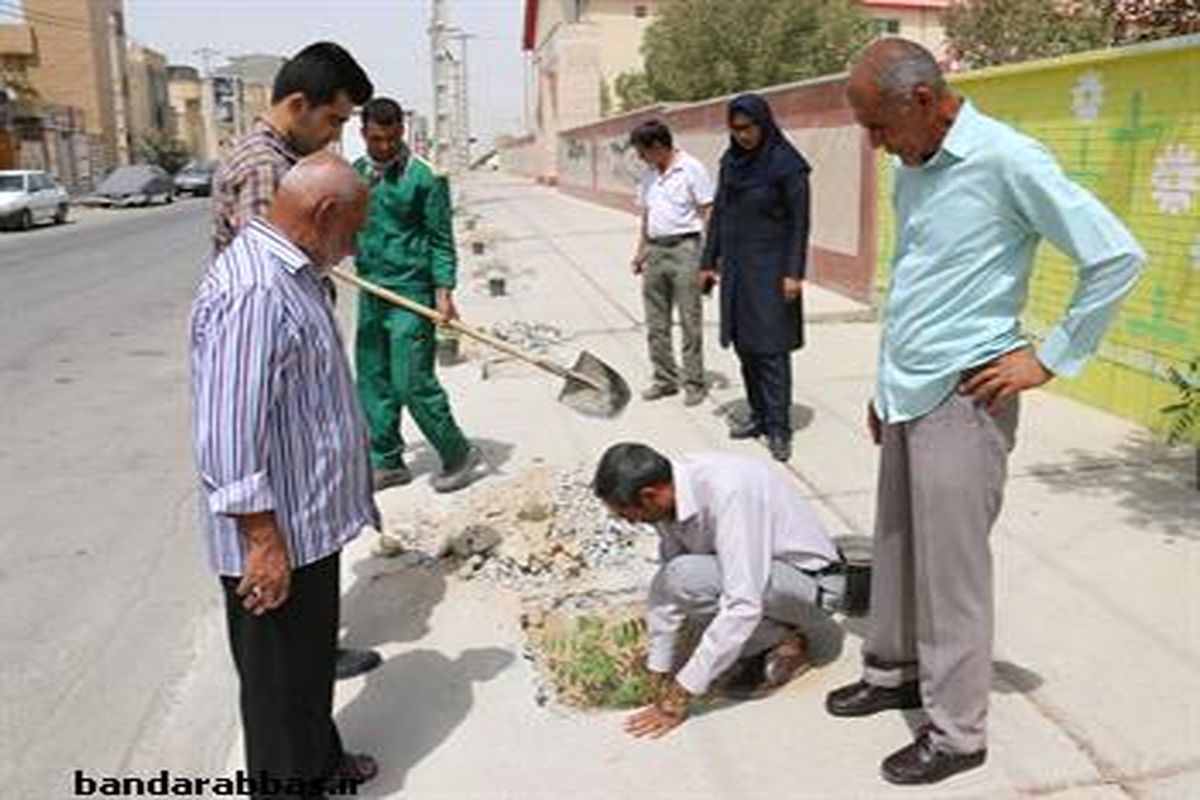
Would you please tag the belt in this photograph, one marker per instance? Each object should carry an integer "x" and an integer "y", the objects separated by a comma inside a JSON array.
[{"x": 673, "y": 239}]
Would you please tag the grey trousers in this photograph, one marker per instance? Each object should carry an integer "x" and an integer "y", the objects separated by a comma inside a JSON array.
[
  {"x": 941, "y": 483},
  {"x": 692, "y": 584},
  {"x": 670, "y": 280}
]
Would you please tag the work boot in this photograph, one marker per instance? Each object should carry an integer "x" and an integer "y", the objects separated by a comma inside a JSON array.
[
  {"x": 392, "y": 476},
  {"x": 694, "y": 395},
  {"x": 461, "y": 476}
]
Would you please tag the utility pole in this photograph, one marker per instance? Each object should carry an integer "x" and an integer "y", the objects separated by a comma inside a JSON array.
[
  {"x": 462, "y": 126},
  {"x": 451, "y": 131},
  {"x": 116, "y": 51},
  {"x": 208, "y": 109},
  {"x": 443, "y": 107}
]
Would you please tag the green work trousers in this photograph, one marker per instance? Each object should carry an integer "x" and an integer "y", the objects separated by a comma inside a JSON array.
[{"x": 394, "y": 358}]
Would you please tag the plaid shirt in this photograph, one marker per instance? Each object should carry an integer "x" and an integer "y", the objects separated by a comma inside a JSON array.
[{"x": 246, "y": 180}]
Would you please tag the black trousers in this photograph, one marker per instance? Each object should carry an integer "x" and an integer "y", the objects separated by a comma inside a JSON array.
[
  {"x": 768, "y": 380},
  {"x": 285, "y": 664}
]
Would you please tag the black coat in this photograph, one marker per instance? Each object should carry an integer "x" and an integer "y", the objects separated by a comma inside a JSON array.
[{"x": 758, "y": 233}]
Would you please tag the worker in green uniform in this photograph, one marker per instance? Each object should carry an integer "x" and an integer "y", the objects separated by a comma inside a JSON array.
[{"x": 407, "y": 246}]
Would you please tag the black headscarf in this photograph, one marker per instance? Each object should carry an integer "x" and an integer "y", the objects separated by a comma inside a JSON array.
[{"x": 774, "y": 157}]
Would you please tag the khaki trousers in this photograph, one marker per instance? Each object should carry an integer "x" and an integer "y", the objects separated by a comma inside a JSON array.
[{"x": 670, "y": 280}]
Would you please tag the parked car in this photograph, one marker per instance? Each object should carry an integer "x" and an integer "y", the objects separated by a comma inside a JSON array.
[
  {"x": 28, "y": 197},
  {"x": 195, "y": 179},
  {"x": 136, "y": 185}
]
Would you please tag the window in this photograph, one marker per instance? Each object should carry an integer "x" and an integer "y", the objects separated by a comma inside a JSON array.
[
  {"x": 641, "y": 10},
  {"x": 886, "y": 27}
]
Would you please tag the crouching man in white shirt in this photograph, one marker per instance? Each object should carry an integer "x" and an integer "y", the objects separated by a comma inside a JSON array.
[{"x": 743, "y": 554}]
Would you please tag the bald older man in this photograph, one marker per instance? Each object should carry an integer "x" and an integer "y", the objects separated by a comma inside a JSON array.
[
  {"x": 281, "y": 447},
  {"x": 973, "y": 198}
]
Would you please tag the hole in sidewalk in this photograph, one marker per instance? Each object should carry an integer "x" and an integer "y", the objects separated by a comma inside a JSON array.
[{"x": 580, "y": 576}]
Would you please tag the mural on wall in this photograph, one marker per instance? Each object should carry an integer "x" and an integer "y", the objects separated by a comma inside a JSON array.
[{"x": 1126, "y": 125}]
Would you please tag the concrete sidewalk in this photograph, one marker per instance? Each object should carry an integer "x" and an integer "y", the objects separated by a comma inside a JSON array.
[{"x": 1097, "y": 680}]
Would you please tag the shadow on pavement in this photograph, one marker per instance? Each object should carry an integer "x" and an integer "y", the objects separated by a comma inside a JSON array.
[
  {"x": 1153, "y": 483},
  {"x": 801, "y": 415},
  {"x": 422, "y": 459},
  {"x": 390, "y": 603},
  {"x": 410, "y": 706}
]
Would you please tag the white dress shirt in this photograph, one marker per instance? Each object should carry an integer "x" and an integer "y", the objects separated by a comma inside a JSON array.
[
  {"x": 673, "y": 198},
  {"x": 748, "y": 513}
]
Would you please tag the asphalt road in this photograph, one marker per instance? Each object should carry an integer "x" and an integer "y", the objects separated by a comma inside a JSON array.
[{"x": 102, "y": 578}]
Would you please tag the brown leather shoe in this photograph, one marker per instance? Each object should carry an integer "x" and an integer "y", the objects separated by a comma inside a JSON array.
[
  {"x": 785, "y": 661},
  {"x": 921, "y": 762},
  {"x": 757, "y": 676},
  {"x": 861, "y": 699}
]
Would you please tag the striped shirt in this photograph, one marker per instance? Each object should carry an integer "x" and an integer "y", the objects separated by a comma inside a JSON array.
[
  {"x": 246, "y": 180},
  {"x": 275, "y": 418}
]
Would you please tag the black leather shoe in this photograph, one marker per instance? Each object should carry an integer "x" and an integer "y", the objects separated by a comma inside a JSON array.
[
  {"x": 780, "y": 446},
  {"x": 921, "y": 762},
  {"x": 861, "y": 699},
  {"x": 745, "y": 429},
  {"x": 355, "y": 662}
]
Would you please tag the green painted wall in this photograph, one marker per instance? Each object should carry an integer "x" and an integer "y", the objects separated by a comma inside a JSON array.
[{"x": 1125, "y": 124}]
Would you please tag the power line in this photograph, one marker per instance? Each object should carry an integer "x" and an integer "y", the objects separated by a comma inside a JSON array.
[{"x": 14, "y": 12}]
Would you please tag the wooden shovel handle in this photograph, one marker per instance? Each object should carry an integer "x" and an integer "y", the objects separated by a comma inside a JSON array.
[{"x": 454, "y": 324}]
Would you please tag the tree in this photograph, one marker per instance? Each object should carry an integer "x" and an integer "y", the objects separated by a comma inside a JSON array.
[
  {"x": 702, "y": 48},
  {"x": 164, "y": 150},
  {"x": 632, "y": 90},
  {"x": 988, "y": 32},
  {"x": 1144, "y": 20}
]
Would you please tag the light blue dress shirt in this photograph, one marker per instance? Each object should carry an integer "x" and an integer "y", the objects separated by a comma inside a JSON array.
[{"x": 968, "y": 223}]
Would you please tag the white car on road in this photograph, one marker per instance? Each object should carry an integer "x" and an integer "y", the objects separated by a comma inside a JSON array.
[{"x": 28, "y": 197}]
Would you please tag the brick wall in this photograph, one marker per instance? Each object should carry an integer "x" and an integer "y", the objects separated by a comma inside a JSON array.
[{"x": 596, "y": 163}]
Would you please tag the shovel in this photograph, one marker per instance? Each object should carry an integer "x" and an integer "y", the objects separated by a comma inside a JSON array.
[{"x": 590, "y": 387}]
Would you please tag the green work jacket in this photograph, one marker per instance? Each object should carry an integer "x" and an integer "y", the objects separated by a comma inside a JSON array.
[{"x": 407, "y": 244}]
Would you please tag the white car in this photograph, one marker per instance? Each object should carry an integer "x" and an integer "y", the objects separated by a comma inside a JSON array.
[{"x": 28, "y": 197}]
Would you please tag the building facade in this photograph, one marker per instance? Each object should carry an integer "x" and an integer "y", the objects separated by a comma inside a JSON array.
[
  {"x": 35, "y": 134},
  {"x": 185, "y": 94},
  {"x": 82, "y": 63},
  {"x": 576, "y": 49},
  {"x": 149, "y": 100}
]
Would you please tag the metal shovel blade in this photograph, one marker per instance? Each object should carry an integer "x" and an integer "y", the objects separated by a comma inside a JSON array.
[{"x": 604, "y": 394}]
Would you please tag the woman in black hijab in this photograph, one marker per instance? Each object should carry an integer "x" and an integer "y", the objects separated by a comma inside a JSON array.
[{"x": 758, "y": 244}]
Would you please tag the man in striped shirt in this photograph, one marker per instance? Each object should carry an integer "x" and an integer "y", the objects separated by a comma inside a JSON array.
[
  {"x": 282, "y": 450},
  {"x": 312, "y": 98}
]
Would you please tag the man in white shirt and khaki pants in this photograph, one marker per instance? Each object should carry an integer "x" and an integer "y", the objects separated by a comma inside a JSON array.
[
  {"x": 742, "y": 551},
  {"x": 675, "y": 195}
]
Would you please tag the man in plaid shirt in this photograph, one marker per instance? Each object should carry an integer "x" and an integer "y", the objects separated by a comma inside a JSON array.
[{"x": 314, "y": 95}]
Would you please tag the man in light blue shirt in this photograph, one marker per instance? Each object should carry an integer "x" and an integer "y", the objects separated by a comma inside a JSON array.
[{"x": 973, "y": 198}]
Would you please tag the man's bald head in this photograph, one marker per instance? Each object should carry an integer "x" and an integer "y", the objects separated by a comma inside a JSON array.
[
  {"x": 321, "y": 204},
  {"x": 901, "y": 98}
]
